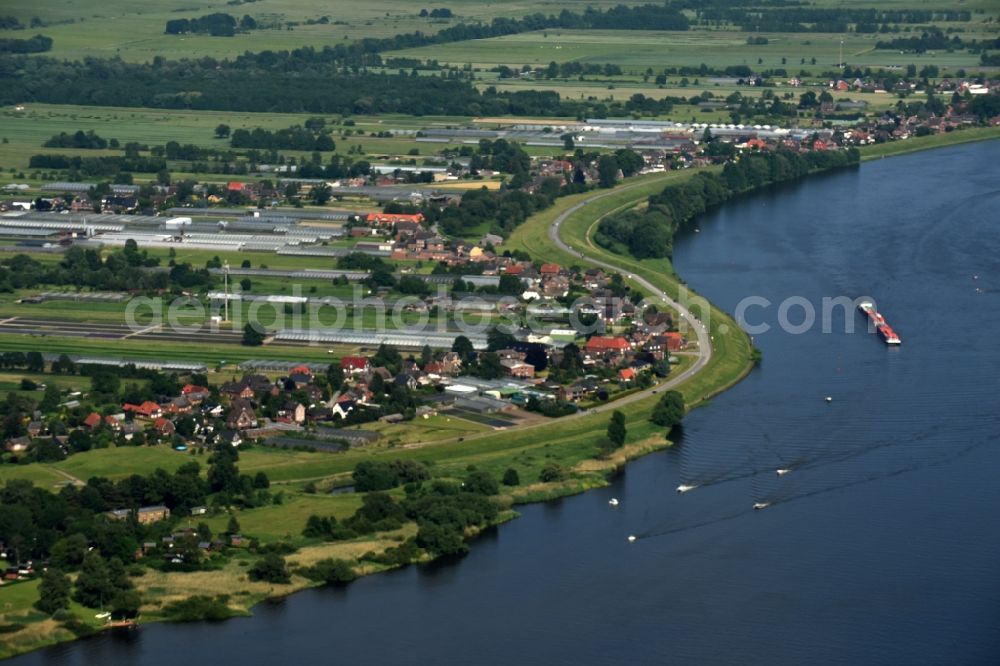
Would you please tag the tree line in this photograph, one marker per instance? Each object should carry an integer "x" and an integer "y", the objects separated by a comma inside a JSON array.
[
  {"x": 291, "y": 138},
  {"x": 79, "y": 139},
  {"x": 649, "y": 233},
  {"x": 120, "y": 270},
  {"x": 218, "y": 24},
  {"x": 788, "y": 18},
  {"x": 36, "y": 44},
  {"x": 108, "y": 165}
]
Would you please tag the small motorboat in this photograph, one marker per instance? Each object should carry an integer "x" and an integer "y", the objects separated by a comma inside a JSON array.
[
  {"x": 684, "y": 488},
  {"x": 782, "y": 472},
  {"x": 631, "y": 538},
  {"x": 829, "y": 398},
  {"x": 613, "y": 501},
  {"x": 761, "y": 505}
]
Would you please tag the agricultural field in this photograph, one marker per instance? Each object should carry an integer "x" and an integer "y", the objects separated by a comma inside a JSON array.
[
  {"x": 24, "y": 132},
  {"x": 135, "y": 31},
  {"x": 635, "y": 51}
]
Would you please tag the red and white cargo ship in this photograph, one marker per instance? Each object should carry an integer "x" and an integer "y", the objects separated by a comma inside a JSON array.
[{"x": 881, "y": 325}]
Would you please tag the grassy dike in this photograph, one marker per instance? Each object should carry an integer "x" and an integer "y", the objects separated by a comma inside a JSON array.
[{"x": 919, "y": 143}]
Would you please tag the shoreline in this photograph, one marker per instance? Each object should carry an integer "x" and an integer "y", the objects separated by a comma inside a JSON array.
[{"x": 597, "y": 471}]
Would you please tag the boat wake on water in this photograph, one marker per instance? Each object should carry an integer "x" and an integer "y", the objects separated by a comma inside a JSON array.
[{"x": 797, "y": 487}]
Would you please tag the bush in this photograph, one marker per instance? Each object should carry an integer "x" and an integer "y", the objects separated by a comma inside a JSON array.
[
  {"x": 482, "y": 483},
  {"x": 370, "y": 475},
  {"x": 270, "y": 569},
  {"x": 552, "y": 472},
  {"x": 199, "y": 608},
  {"x": 511, "y": 477},
  {"x": 331, "y": 571}
]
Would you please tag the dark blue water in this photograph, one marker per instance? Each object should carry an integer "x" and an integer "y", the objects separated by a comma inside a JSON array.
[{"x": 880, "y": 546}]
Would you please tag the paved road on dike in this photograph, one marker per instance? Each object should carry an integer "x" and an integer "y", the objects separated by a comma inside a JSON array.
[
  {"x": 704, "y": 339},
  {"x": 704, "y": 352}
]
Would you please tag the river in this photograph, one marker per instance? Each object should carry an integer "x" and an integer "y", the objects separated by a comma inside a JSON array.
[{"x": 880, "y": 545}]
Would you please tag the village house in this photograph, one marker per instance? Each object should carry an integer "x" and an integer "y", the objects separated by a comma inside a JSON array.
[
  {"x": 577, "y": 390},
  {"x": 241, "y": 416},
  {"x": 230, "y": 437},
  {"x": 516, "y": 368},
  {"x": 451, "y": 363},
  {"x": 148, "y": 410},
  {"x": 164, "y": 427},
  {"x": 195, "y": 394},
  {"x": 599, "y": 345},
  {"x": 293, "y": 412},
  {"x": 355, "y": 365},
  {"x": 17, "y": 444},
  {"x": 145, "y": 514},
  {"x": 390, "y": 219},
  {"x": 93, "y": 421}
]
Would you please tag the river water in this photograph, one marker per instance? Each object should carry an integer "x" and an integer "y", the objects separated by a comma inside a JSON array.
[{"x": 880, "y": 546}]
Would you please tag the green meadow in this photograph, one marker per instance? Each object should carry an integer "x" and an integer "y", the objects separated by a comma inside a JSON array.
[{"x": 635, "y": 51}]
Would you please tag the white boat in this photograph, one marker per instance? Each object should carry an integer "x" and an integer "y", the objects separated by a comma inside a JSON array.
[
  {"x": 631, "y": 538},
  {"x": 683, "y": 488},
  {"x": 782, "y": 472},
  {"x": 613, "y": 501},
  {"x": 761, "y": 505}
]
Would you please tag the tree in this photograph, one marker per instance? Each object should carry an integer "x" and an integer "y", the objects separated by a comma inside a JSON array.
[
  {"x": 270, "y": 569},
  {"x": 246, "y": 284},
  {"x": 372, "y": 475},
  {"x": 36, "y": 363},
  {"x": 511, "y": 477},
  {"x": 68, "y": 553},
  {"x": 616, "y": 428},
  {"x": 335, "y": 376},
  {"x": 497, "y": 339},
  {"x": 106, "y": 383},
  {"x": 223, "y": 476},
  {"x": 426, "y": 355},
  {"x": 64, "y": 364},
  {"x": 510, "y": 285},
  {"x": 93, "y": 585},
  {"x": 320, "y": 194},
  {"x": 481, "y": 482},
  {"x": 607, "y": 169},
  {"x": 233, "y": 527},
  {"x": 669, "y": 411},
  {"x": 463, "y": 347},
  {"x": 221, "y": 131},
  {"x": 252, "y": 335},
  {"x": 53, "y": 592}
]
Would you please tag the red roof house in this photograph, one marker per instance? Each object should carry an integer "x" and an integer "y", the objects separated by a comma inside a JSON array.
[
  {"x": 388, "y": 219},
  {"x": 93, "y": 420},
  {"x": 355, "y": 364},
  {"x": 549, "y": 269},
  {"x": 164, "y": 426},
  {"x": 600, "y": 345},
  {"x": 626, "y": 374},
  {"x": 148, "y": 409}
]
